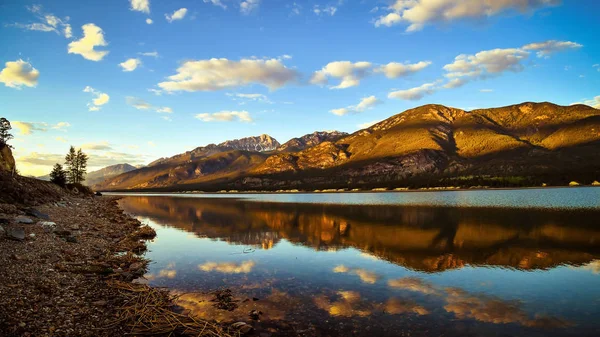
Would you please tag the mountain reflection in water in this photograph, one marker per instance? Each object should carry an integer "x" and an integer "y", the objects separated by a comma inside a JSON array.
[
  {"x": 339, "y": 270},
  {"x": 421, "y": 238}
]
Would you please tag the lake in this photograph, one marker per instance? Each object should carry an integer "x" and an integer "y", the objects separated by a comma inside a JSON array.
[{"x": 452, "y": 263}]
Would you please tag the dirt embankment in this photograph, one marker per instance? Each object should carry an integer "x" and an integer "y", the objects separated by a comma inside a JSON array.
[{"x": 67, "y": 265}]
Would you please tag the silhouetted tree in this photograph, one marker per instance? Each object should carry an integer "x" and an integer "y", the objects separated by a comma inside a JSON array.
[
  {"x": 5, "y": 135},
  {"x": 76, "y": 162},
  {"x": 58, "y": 175}
]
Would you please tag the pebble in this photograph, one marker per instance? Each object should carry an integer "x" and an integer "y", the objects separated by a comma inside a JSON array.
[
  {"x": 48, "y": 226},
  {"x": 23, "y": 219},
  {"x": 17, "y": 233}
]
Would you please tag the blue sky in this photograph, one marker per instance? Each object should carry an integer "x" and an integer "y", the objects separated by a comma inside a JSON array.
[{"x": 206, "y": 71}]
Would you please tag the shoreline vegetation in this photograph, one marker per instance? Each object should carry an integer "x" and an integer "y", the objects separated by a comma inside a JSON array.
[{"x": 69, "y": 264}]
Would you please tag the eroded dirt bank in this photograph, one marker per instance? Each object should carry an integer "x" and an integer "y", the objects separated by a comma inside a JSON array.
[{"x": 55, "y": 261}]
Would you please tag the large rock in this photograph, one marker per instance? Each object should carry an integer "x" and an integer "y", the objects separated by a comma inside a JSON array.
[
  {"x": 23, "y": 219},
  {"x": 17, "y": 233},
  {"x": 7, "y": 161}
]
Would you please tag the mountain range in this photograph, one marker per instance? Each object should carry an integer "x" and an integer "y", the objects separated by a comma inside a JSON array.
[{"x": 432, "y": 145}]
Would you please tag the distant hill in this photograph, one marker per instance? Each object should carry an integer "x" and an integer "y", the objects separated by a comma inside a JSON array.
[
  {"x": 99, "y": 176},
  {"x": 432, "y": 145}
]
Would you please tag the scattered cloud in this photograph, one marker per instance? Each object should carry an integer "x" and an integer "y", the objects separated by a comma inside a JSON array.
[
  {"x": 594, "y": 103},
  {"x": 99, "y": 100},
  {"x": 597, "y": 66},
  {"x": 216, "y": 3},
  {"x": 228, "y": 267},
  {"x": 47, "y": 23},
  {"x": 99, "y": 159},
  {"x": 364, "y": 104},
  {"x": 225, "y": 116},
  {"x": 324, "y": 10},
  {"x": 249, "y": 6},
  {"x": 140, "y": 6},
  {"x": 347, "y": 72},
  {"x": 296, "y": 9},
  {"x": 368, "y": 124},
  {"x": 97, "y": 146},
  {"x": 486, "y": 90},
  {"x": 419, "y": 13},
  {"x": 27, "y": 128},
  {"x": 350, "y": 74},
  {"x": 156, "y": 91},
  {"x": 150, "y": 54},
  {"x": 164, "y": 109},
  {"x": 250, "y": 97},
  {"x": 92, "y": 37},
  {"x": 60, "y": 139},
  {"x": 19, "y": 73},
  {"x": 130, "y": 64},
  {"x": 218, "y": 74},
  {"x": 395, "y": 70},
  {"x": 62, "y": 126},
  {"x": 151, "y": 144},
  {"x": 545, "y": 49},
  {"x": 414, "y": 94},
  {"x": 138, "y": 103},
  {"x": 177, "y": 15},
  {"x": 149, "y": 21}
]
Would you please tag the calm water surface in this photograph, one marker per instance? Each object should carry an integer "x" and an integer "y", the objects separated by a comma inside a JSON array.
[{"x": 413, "y": 264}]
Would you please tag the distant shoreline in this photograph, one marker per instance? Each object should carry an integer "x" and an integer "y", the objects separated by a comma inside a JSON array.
[{"x": 434, "y": 189}]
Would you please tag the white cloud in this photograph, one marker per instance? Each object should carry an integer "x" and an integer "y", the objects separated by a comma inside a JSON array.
[
  {"x": 368, "y": 124},
  {"x": 347, "y": 72},
  {"x": 250, "y": 97},
  {"x": 47, "y": 23},
  {"x": 216, "y": 3},
  {"x": 296, "y": 9},
  {"x": 150, "y": 53},
  {"x": 138, "y": 103},
  {"x": 155, "y": 91},
  {"x": 414, "y": 94},
  {"x": 364, "y": 104},
  {"x": 368, "y": 103},
  {"x": 219, "y": 74},
  {"x": 27, "y": 128},
  {"x": 164, "y": 109},
  {"x": 545, "y": 49},
  {"x": 130, "y": 64},
  {"x": 61, "y": 126},
  {"x": 60, "y": 139},
  {"x": 597, "y": 66},
  {"x": 99, "y": 100},
  {"x": 340, "y": 111},
  {"x": 395, "y": 70},
  {"x": 92, "y": 37},
  {"x": 225, "y": 116},
  {"x": 594, "y": 103},
  {"x": 97, "y": 146},
  {"x": 486, "y": 90},
  {"x": 140, "y": 6},
  {"x": 324, "y": 10},
  {"x": 177, "y": 15},
  {"x": 149, "y": 21},
  {"x": 249, "y": 6},
  {"x": 418, "y": 13},
  {"x": 19, "y": 73}
]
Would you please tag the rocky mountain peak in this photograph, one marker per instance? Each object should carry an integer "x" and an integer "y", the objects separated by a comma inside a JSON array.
[
  {"x": 311, "y": 139},
  {"x": 260, "y": 143}
]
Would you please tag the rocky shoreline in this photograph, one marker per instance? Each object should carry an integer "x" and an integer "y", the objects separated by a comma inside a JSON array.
[{"x": 67, "y": 269}]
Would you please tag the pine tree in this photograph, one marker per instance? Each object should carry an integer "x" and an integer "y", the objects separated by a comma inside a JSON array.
[
  {"x": 5, "y": 135},
  {"x": 58, "y": 175},
  {"x": 71, "y": 164},
  {"x": 81, "y": 160}
]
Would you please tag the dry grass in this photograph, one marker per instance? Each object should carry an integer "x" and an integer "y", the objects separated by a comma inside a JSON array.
[{"x": 149, "y": 312}]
